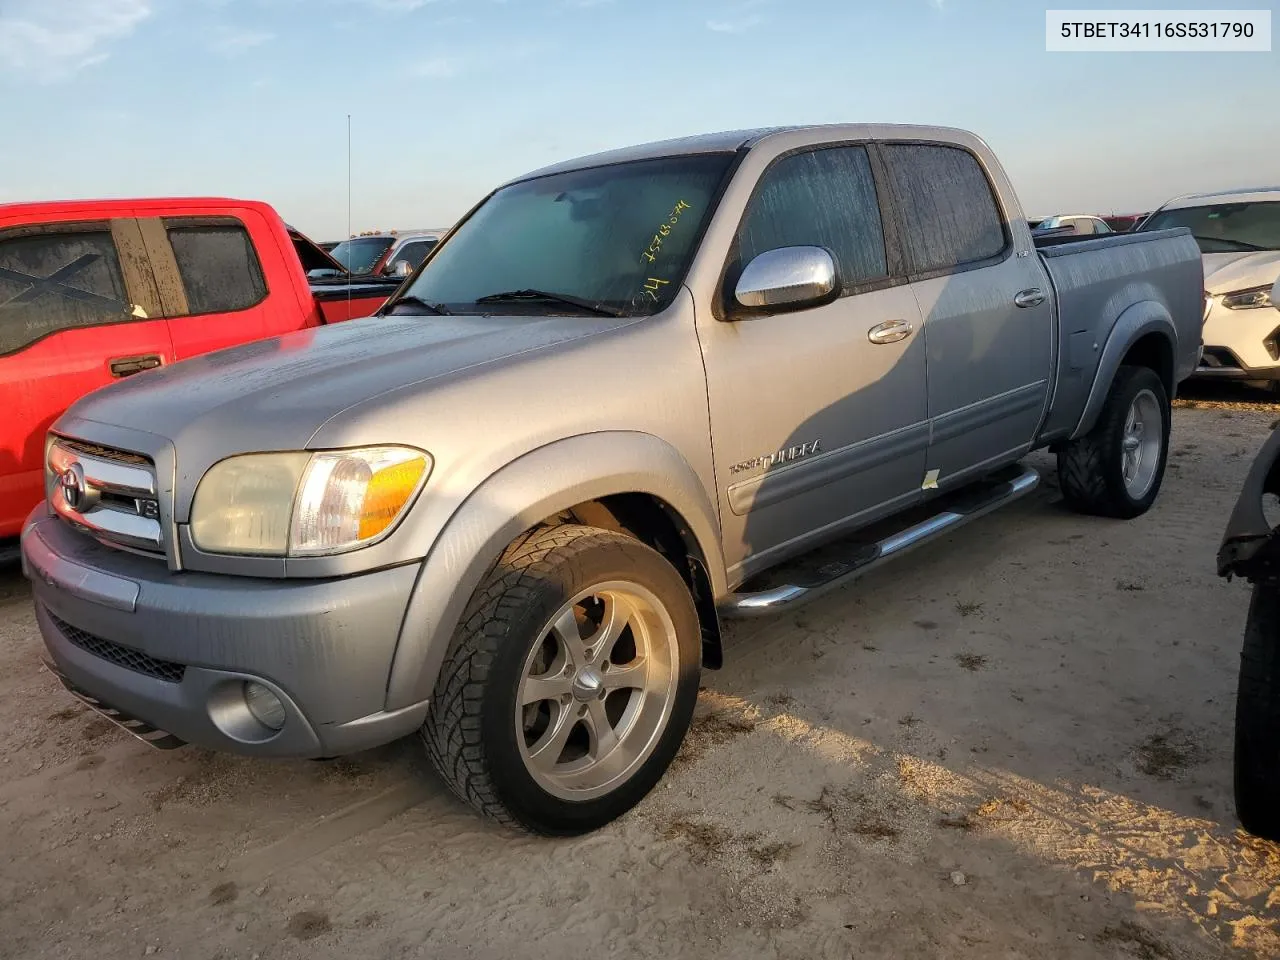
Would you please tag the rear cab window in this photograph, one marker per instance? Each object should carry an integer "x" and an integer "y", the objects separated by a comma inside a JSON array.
[
  {"x": 58, "y": 277},
  {"x": 217, "y": 263},
  {"x": 951, "y": 219}
]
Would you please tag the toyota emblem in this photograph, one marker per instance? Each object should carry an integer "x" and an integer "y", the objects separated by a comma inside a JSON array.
[{"x": 72, "y": 483}]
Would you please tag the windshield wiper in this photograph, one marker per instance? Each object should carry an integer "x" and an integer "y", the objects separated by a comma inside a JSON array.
[
  {"x": 512, "y": 296},
  {"x": 436, "y": 308}
]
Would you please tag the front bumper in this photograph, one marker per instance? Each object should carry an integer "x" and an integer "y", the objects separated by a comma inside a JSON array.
[
  {"x": 171, "y": 651},
  {"x": 1221, "y": 363},
  {"x": 1240, "y": 344}
]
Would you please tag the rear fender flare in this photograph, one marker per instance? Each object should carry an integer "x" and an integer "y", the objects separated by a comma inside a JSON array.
[
  {"x": 526, "y": 491},
  {"x": 1135, "y": 322}
]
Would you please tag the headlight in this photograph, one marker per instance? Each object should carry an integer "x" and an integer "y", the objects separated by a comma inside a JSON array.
[
  {"x": 1249, "y": 299},
  {"x": 305, "y": 504}
]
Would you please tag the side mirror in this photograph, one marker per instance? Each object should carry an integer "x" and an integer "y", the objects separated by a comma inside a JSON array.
[
  {"x": 401, "y": 268},
  {"x": 788, "y": 277}
]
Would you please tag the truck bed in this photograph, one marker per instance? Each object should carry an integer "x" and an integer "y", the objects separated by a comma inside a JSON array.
[{"x": 1096, "y": 277}]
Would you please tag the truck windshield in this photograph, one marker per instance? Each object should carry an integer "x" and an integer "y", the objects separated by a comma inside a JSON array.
[
  {"x": 361, "y": 253},
  {"x": 1226, "y": 227},
  {"x": 616, "y": 239}
]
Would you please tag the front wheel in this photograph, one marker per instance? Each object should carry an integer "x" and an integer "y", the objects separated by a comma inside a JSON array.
[
  {"x": 570, "y": 682},
  {"x": 1115, "y": 470},
  {"x": 1257, "y": 739}
]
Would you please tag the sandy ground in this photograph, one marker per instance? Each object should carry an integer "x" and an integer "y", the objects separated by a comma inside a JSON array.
[{"x": 1016, "y": 744}]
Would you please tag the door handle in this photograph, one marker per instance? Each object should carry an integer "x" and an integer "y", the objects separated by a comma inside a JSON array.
[
  {"x": 126, "y": 366},
  {"x": 891, "y": 331},
  {"x": 1029, "y": 298}
]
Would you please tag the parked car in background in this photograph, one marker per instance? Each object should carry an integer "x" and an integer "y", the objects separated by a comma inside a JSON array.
[
  {"x": 455, "y": 517},
  {"x": 96, "y": 291},
  {"x": 382, "y": 254},
  {"x": 1238, "y": 232},
  {"x": 1124, "y": 222},
  {"x": 1079, "y": 224}
]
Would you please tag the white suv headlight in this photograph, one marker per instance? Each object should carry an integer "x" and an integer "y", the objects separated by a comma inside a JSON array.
[
  {"x": 1249, "y": 299},
  {"x": 305, "y": 504}
]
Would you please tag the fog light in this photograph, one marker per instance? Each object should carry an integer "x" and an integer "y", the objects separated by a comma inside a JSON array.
[{"x": 264, "y": 705}]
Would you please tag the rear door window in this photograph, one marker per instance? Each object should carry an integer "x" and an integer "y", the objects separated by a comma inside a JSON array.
[
  {"x": 950, "y": 214},
  {"x": 218, "y": 265},
  {"x": 825, "y": 198},
  {"x": 58, "y": 279}
]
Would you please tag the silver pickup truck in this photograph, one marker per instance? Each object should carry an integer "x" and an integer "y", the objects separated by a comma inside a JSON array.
[{"x": 625, "y": 398}]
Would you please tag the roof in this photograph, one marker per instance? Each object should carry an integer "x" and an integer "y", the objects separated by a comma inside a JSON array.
[
  {"x": 723, "y": 142},
  {"x": 1073, "y": 216},
  {"x": 731, "y": 140},
  {"x": 401, "y": 234},
  {"x": 1239, "y": 195},
  {"x": 106, "y": 207}
]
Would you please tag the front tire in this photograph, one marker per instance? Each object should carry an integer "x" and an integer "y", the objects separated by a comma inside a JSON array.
[
  {"x": 1115, "y": 470},
  {"x": 570, "y": 682},
  {"x": 1257, "y": 737}
]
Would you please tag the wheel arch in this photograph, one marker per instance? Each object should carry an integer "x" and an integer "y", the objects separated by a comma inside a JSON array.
[
  {"x": 1143, "y": 335},
  {"x": 624, "y": 480}
]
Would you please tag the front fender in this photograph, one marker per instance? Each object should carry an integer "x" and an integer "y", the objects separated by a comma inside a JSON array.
[
  {"x": 1247, "y": 548},
  {"x": 1135, "y": 322},
  {"x": 537, "y": 485}
]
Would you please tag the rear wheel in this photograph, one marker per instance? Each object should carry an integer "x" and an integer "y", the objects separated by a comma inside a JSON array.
[
  {"x": 1115, "y": 470},
  {"x": 570, "y": 683},
  {"x": 1257, "y": 746}
]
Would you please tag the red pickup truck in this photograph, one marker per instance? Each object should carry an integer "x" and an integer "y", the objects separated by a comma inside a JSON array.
[{"x": 95, "y": 290}]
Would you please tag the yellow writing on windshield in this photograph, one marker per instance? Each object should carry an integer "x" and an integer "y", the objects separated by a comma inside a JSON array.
[{"x": 664, "y": 231}]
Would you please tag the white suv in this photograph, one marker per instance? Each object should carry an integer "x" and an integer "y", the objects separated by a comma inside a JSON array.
[
  {"x": 1239, "y": 236},
  {"x": 1079, "y": 224}
]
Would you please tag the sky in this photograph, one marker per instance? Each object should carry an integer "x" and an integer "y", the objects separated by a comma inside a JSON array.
[{"x": 449, "y": 98}]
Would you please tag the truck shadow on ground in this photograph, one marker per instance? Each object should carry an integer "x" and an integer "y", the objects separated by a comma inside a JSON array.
[{"x": 1015, "y": 682}]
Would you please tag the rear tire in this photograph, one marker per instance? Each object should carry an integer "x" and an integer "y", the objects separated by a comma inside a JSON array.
[
  {"x": 1115, "y": 470},
  {"x": 1257, "y": 738},
  {"x": 570, "y": 682}
]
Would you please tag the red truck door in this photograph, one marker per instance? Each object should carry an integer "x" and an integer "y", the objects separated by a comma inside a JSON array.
[
  {"x": 212, "y": 273},
  {"x": 76, "y": 300}
]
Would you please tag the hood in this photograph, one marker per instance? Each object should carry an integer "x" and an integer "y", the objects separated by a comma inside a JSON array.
[
  {"x": 275, "y": 394},
  {"x": 1229, "y": 272}
]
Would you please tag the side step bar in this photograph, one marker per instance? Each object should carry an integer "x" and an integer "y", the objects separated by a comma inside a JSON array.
[
  {"x": 152, "y": 736},
  {"x": 856, "y": 557}
]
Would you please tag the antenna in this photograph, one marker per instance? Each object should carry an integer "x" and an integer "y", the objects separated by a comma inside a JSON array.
[{"x": 348, "y": 210}]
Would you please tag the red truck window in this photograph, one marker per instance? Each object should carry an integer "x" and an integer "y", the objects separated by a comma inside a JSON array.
[
  {"x": 218, "y": 265},
  {"x": 55, "y": 279}
]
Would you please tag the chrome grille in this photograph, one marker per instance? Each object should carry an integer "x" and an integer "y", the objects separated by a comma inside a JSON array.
[
  {"x": 120, "y": 655},
  {"x": 104, "y": 453},
  {"x": 110, "y": 494}
]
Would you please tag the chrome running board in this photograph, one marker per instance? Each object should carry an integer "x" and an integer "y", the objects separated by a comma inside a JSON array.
[
  {"x": 152, "y": 736},
  {"x": 832, "y": 566}
]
